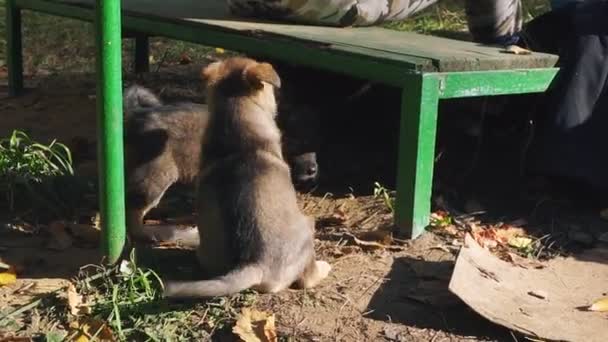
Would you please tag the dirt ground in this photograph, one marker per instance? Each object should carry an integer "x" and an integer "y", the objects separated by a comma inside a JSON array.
[{"x": 397, "y": 292}]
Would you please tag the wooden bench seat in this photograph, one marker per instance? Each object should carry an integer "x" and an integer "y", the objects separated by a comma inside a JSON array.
[{"x": 427, "y": 68}]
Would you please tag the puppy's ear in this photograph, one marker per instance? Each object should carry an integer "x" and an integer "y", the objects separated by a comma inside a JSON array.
[
  {"x": 209, "y": 73},
  {"x": 257, "y": 73}
]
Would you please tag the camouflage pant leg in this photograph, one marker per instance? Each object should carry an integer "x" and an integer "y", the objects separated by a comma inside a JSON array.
[
  {"x": 488, "y": 20},
  {"x": 491, "y": 21}
]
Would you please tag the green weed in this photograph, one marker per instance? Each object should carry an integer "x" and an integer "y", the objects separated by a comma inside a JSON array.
[
  {"x": 24, "y": 164},
  {"x": 129, "y": 298},
  {"x": 386, "y": 195}
]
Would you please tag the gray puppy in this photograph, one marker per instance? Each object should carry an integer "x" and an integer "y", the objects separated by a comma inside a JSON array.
[
  {"x": 253, "y": 234},
  {"x": 163, "y": 147}
]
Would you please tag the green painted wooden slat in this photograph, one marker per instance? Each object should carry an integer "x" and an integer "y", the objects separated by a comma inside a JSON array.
[
  {"x": 483, "y": 83},
  {"x": 416, "y": 154},
  {"x": 342, "y": 61}
]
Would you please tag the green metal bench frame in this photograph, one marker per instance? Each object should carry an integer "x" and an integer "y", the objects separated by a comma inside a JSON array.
[{"x": 420, "y": 98}]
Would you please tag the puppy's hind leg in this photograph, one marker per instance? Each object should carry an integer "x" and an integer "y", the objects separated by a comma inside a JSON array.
[{"x": 315, "y": 270}]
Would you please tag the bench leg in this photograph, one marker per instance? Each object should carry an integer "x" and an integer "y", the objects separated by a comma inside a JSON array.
[
  {"x": 419, "y": 102},
  {"x": 14, "y": 50},
  {"x": 109, "y": 128},
  {"x": 142, "y": 54}
]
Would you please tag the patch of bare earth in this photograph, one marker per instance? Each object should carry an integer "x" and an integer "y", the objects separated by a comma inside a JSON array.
[{"x": 380, "y": 287}]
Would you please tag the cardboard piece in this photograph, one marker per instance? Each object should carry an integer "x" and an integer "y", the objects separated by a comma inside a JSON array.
[{"x": 549, "y": 303}]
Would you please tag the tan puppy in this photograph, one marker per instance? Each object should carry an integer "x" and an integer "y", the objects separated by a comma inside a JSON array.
[{"x": 253, "y": 234}]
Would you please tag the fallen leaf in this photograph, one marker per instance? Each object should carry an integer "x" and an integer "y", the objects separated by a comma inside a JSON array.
[
  {"x": 600, "y": 305},
  {"x": 8, "y": 277},
  {"x": 60, "y": 239},
  {"x": 270, "y": 331},
  {"x": 485, "y": 237},
  {"x": 517, "y": 50},
  {"x": 74, "y": 299},
  {"x": 255, "y": 326},
  {"x": 519, "y": 242},
  {"x": 439, "y": 215},
  {"x": 219, "y": 50},
  {"x": 185, "y": 59},
  {"x": 85, "y": 329},
  {"x": 504, "y": 234}
]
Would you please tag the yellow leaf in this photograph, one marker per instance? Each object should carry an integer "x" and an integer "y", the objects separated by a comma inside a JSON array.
[
  {"x": 8, "y": 277},
  {"x": 270, "y": 329},
  {"x": 516, "y": 50},
  {"x": 507, "y": 233},
  {"x": 87, "y": 328},
  {"x": 219, "y": 50},
  {"x": 600, "y": 305},
  {"x": 74, "y": 299},
  {"x": 81, "y": 337},
  {"x": 519, "y": 242},
  {"x": 255, "y": 326}
]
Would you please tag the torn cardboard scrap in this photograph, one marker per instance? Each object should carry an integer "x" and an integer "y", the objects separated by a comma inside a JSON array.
[{"x": 549, "y": 303}]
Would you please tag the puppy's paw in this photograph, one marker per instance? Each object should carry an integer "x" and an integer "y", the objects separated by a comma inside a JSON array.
[{"x": 323, "y": 269}]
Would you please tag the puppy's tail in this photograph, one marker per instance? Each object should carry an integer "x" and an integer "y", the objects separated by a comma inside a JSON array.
[
  {"x": 136, "y": 97},
  {"x": 233, "y": 282}
]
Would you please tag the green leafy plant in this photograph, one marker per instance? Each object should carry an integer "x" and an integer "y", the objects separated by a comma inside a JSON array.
[
  {"x": 386, "y": 196},
  {"x": 129, "y": 297},
  {"x": 25, "y": 163}
]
